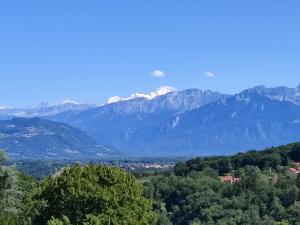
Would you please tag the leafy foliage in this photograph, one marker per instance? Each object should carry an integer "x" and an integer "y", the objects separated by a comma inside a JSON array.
[
  {"x": 195, "y": 194},
  {"x": 295, "y": 152},
  {"x": 192, "y": 194},
  {"x": 14, "y": 187},
  {"x": 92, "y": 195},
  {"x": 270, "y": 158}
]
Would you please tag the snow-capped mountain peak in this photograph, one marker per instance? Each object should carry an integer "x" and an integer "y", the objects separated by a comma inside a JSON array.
[
  {"x": 69, "y": 101},
  {"x": 45, "y": 109},
  {"x": 160, "y": 91},
  {"x": 57, "y": 104}
]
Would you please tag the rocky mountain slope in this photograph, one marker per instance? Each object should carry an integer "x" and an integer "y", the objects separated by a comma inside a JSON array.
[
  {"x": 191, "y": 122},
  {"x": 195, "y": 122},
  {"x": 43, "y": 109}
]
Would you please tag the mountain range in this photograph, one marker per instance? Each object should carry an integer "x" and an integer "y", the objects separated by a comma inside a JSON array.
[
  {"x": 189, "y": 122},
  {"x": 44, "y": 109}
]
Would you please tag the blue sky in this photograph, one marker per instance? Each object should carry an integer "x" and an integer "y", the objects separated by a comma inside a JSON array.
[{"x": 91, "y": 50}]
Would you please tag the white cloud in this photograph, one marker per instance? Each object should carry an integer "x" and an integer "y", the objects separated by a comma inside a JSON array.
[
  {"x": 209, "y": 74},
  {"x": 158, "y": 73}
]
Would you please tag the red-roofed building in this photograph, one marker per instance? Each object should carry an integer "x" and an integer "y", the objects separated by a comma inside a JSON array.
[
  {"x": 293, "y": 170},
  {"x": 231, "y": 179}
]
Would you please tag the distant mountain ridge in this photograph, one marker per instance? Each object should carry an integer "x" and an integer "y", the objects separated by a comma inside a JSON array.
[
  {"x": 195, "y": 122},
  {"x": 34, "y": 138},
  {"x": 192, "y": 121},
  {"x": 176, "y": 101},
  {"x": 278, "y": 93},
  {"x": 44, "y": 109},
  {"x": 160, "y": 91},
  {"x": 249, "y": 120}
]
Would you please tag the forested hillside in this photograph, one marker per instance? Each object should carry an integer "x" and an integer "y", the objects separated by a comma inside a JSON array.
[
  {"x": 35, "y": 138},
  {"x": 262, "y": 189},
  {"x": 257, "y": 187},
  {"x": 77, "y": 195}
]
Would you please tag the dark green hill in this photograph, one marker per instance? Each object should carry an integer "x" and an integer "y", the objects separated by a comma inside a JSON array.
[
  {"x": 268, "y": 158},
  {"x": 37, "y": 138}
]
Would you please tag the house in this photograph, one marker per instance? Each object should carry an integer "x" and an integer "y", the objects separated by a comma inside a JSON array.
[
  {"x": 227, "y": 179},
  {"x": 230, "y": 179},
  {"x": 293, "y": 170},
  {"x": 236, "y": 180}
]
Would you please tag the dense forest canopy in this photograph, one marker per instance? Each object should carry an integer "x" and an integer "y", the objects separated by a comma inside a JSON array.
[
  {"x": 79, "y": 195},
  {"x": 256, "y": 187},
  {"x": 266, "y": 192}
]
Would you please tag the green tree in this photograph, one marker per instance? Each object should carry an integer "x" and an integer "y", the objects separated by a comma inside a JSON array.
[
  {"x": 294, "y": 154},
  {"x": 64, "y": 221},
  {"x": 297, "y": 182},
  {"x": 92, "y": 195},
  {"x": 14, "y": 187},
  {"x": 294, "y": 214},
  {"x": 289, "y": 196}
]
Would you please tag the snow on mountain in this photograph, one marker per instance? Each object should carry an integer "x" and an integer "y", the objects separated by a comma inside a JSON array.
[
  {"x": 66, "y": 101},
  {"x": 192, "y": 121},
  {"x": 44, "y": 109},
  {"x": 160, "y": 91},
  {"x": 120, "y": 123},
  {"x": 165, "y": 99}
]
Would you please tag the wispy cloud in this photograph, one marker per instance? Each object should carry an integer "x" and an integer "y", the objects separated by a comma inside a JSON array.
[
  {"x": 158, "y": 73},
  {"x": 209, "y": 74}
]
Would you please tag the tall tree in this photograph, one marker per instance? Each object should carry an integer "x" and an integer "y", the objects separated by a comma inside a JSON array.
[{"x": 92, "y": 195}]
